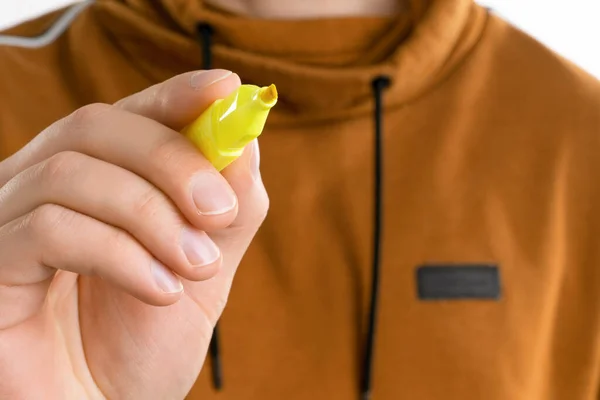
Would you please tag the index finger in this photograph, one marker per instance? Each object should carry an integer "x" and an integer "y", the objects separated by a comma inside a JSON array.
[
  {"x": 179, "y": 100},
  {"x": 135, "y": 134}
]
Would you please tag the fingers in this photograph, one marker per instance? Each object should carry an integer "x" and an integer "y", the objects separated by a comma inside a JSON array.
[
  {"x": 180, "y": 100},
  {"x": 119, "y": 198},
  {"x": 146, "y": 180},
  {"x": 161, "y": 156},
  {"x": 244, "y": 177},
  {"x": 51, "y": 237},
  {"x": 146, "y": 147}
]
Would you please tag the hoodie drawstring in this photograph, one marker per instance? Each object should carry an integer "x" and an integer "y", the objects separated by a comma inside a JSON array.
[
  {"x": 379, "y": 84},
  {"x": 205, "y": 32}
]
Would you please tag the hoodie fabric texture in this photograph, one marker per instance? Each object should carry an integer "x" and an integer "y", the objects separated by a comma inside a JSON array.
[{"x": 490, "y": 253}]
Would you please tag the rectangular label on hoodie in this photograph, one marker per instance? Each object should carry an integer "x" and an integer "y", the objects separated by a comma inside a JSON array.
[{"x": 458, "y": 281}]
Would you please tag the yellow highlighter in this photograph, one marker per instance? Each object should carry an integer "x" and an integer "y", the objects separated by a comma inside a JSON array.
[{"x": 228, "y": 125}]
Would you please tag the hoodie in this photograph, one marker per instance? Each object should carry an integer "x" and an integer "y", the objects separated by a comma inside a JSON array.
[{"x": 435, "y": 206}]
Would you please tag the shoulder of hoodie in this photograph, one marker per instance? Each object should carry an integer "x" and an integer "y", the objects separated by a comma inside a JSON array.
[
  {"x": 43, "y": 83},
  {"x": 537, "y": 105},
  {"x": 16, "y": 57},
  {"x": 510, "y": 76},
  {"x": 45, "y": 69},
  {"x": 518, "y": 69}
]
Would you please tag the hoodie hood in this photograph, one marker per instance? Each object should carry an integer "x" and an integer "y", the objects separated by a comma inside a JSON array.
[{"x": 323, "y": 68}]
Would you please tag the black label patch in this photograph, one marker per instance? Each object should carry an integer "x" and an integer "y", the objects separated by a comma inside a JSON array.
[{"x": 455, "y": 282}]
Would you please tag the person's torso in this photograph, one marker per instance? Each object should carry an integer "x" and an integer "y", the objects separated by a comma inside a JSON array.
[{"x": 476, "y": 173}]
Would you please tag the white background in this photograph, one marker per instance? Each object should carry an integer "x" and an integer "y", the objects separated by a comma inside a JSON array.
[{"x": 570, "y": 27}]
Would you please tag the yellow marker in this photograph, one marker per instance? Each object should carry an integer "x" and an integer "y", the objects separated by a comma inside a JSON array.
[{"x": 228, "y": 125}]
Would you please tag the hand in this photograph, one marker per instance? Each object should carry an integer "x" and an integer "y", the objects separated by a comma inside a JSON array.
[{"x": 106, "y": 216}]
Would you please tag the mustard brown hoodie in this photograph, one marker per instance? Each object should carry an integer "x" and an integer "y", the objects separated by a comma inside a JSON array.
[{"x": 442, "y": 171}]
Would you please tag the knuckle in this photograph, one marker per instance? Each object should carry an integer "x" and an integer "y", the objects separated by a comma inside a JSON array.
[
  {"x": 159, "y": 103},
  {"x": 45, "y": 220},
  {"x": 149, "y": 204},
  {"x": 214, "y": 309},
  {"x": 220, "y": 304},
  {"x": 168, "y": 151},
  {"x": 60, "y": 167},
  {"x": 262, "y": 209},
  {"x": 120, "y": 243},
  {"x": 87, "y": 114},
  {"x": 253, "y": 212}
]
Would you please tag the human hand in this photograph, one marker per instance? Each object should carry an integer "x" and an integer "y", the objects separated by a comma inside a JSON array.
[{"x": 105, "y": 216}]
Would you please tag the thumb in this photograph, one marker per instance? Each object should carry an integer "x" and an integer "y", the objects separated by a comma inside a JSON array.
[
  {"x": 244, "y": 177},
  {"x": 181, "y": 99},
  {"x": 176, "y": 103}
]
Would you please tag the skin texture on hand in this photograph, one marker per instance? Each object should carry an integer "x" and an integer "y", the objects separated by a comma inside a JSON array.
[{"x": 118, "y": 246}]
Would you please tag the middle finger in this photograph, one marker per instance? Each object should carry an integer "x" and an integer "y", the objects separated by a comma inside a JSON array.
[
  {"x": 145, "y": 147},
  {"x": 117, "y": 197}
]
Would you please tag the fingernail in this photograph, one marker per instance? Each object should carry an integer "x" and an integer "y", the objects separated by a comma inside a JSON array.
[
  {"x": 199, "y": 249},
  {"x": 165, "y": 279},
  {"x": 212, "y": 195},
  {"x": 202, "y": 79},
  {"x": 255, "y": 160}
]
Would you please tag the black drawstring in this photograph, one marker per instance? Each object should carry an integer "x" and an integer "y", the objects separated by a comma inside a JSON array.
[
  {"x": 217, "y": 367},
  {"x": 205, "y": 32},
  {"x": 379, "y": 84}
]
